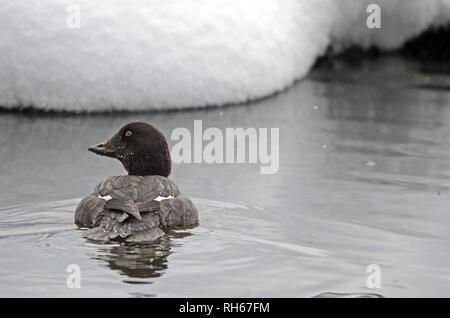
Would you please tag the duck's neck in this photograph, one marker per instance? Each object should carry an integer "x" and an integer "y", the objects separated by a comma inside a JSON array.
[{"x": 148, "y": 165}]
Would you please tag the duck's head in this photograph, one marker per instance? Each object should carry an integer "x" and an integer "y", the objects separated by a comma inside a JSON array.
[{"x": 140, "y": 147}]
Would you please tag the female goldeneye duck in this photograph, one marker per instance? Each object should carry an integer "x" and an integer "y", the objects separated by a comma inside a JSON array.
[{"x": 135, "y": 207}]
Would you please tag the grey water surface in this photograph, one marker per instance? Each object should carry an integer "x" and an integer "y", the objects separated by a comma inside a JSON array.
[{"x": 364, "y": 178}]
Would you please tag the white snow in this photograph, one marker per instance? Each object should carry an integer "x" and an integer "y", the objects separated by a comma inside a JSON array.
[{"x": 160, "y": 54}]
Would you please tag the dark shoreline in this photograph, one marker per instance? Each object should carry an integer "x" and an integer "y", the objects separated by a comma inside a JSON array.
[{"x": 428, "y": 47}]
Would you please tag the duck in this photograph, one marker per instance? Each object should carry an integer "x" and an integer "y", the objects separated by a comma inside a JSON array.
[{"x": 140, "y": 206}]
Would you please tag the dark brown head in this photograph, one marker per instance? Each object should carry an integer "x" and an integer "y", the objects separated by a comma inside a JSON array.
[{"x": 140, "y": 147}]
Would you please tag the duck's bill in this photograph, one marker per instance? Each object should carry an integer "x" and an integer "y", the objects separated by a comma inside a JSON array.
[{"x": 103, "y": 150}]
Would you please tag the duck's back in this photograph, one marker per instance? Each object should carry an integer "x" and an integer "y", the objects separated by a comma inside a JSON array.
[{"x": 134, "y": 209}]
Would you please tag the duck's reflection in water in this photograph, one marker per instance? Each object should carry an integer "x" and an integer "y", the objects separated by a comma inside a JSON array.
[{"x": 139, "y": 261}]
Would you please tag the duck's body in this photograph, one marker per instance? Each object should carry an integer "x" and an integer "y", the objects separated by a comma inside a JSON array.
[{"x": 135, "y": 208}]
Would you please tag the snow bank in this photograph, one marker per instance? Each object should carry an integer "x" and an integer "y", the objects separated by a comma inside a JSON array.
[{"x": 161, "y": 54}]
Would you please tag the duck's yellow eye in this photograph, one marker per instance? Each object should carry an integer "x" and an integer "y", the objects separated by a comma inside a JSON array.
[{"x": 128, "y": 133}]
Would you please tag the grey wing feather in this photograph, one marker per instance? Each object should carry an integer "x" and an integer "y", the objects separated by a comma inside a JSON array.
[
  {"x": 125, "y": 206},
  {"x": 88, "y": 210},
  {"x": 149, "y": 206},
  {"x": 146, "y": 236},
  {"x": 179, "y": 211},
  {"x": 108, "y": 228}
]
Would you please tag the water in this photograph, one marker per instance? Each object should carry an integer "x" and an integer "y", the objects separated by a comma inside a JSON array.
[{"x": 364, "y": 178}]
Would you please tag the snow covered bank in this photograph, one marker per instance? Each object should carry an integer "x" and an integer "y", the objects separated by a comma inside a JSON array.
[{"x": 161, "y": 54}]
